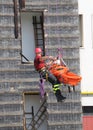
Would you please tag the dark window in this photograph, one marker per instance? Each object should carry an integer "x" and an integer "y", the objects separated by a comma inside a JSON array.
[
  {"x": 87, "y": 110},
  {"x": 81, "y": 30}
]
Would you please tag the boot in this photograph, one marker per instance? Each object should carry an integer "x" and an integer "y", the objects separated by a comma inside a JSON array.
[
  {"x": 59, "y": 96},
  {"x": 61, "y": 99}
]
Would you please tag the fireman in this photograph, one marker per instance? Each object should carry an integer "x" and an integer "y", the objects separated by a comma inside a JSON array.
[{"x": 40, "y": 66}]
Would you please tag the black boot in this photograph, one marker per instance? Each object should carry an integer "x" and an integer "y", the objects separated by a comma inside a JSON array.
[
  {"x": 59, "y": 96},
  {"x": 61, "y": 99}
]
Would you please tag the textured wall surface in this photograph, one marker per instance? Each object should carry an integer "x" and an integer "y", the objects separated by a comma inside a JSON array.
[{"x": 61, "y": 28}]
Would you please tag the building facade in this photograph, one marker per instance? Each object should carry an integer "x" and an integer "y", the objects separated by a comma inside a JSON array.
[
  {"x": 86, "y": 62},
  {"x": 24, "y": 25}
]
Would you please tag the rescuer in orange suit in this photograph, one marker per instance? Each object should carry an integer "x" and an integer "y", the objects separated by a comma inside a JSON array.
[{"x": 41, "y": 67}]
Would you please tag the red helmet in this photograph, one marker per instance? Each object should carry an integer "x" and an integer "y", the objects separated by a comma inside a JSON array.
[{"x": 37, "y": 50}]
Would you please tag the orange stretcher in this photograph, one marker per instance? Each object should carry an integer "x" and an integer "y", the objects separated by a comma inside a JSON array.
[{"x": 65, "y": 76}]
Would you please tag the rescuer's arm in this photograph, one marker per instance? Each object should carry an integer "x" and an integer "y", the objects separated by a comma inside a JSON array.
[{"x": 48, "y": 58}]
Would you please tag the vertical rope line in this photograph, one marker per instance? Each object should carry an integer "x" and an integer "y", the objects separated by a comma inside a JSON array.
[
  {"x": 46, "y": 26},
  {"x": 57, "y": 24},
  {"x": 50, "y": 35}
]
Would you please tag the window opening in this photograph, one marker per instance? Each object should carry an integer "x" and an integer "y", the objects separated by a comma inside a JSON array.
[
  {"x": 32, "y": 34},
  {"x": 81, "y": 30},
  {"x": 87, "y": 110},
  {"x": 92, "y": 29},
  {"x": 39, "y": 32},
  {"x": 34, "y": 112}
]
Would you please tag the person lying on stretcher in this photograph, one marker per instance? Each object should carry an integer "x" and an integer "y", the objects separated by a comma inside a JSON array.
[{"x": 63, "y": 74}]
